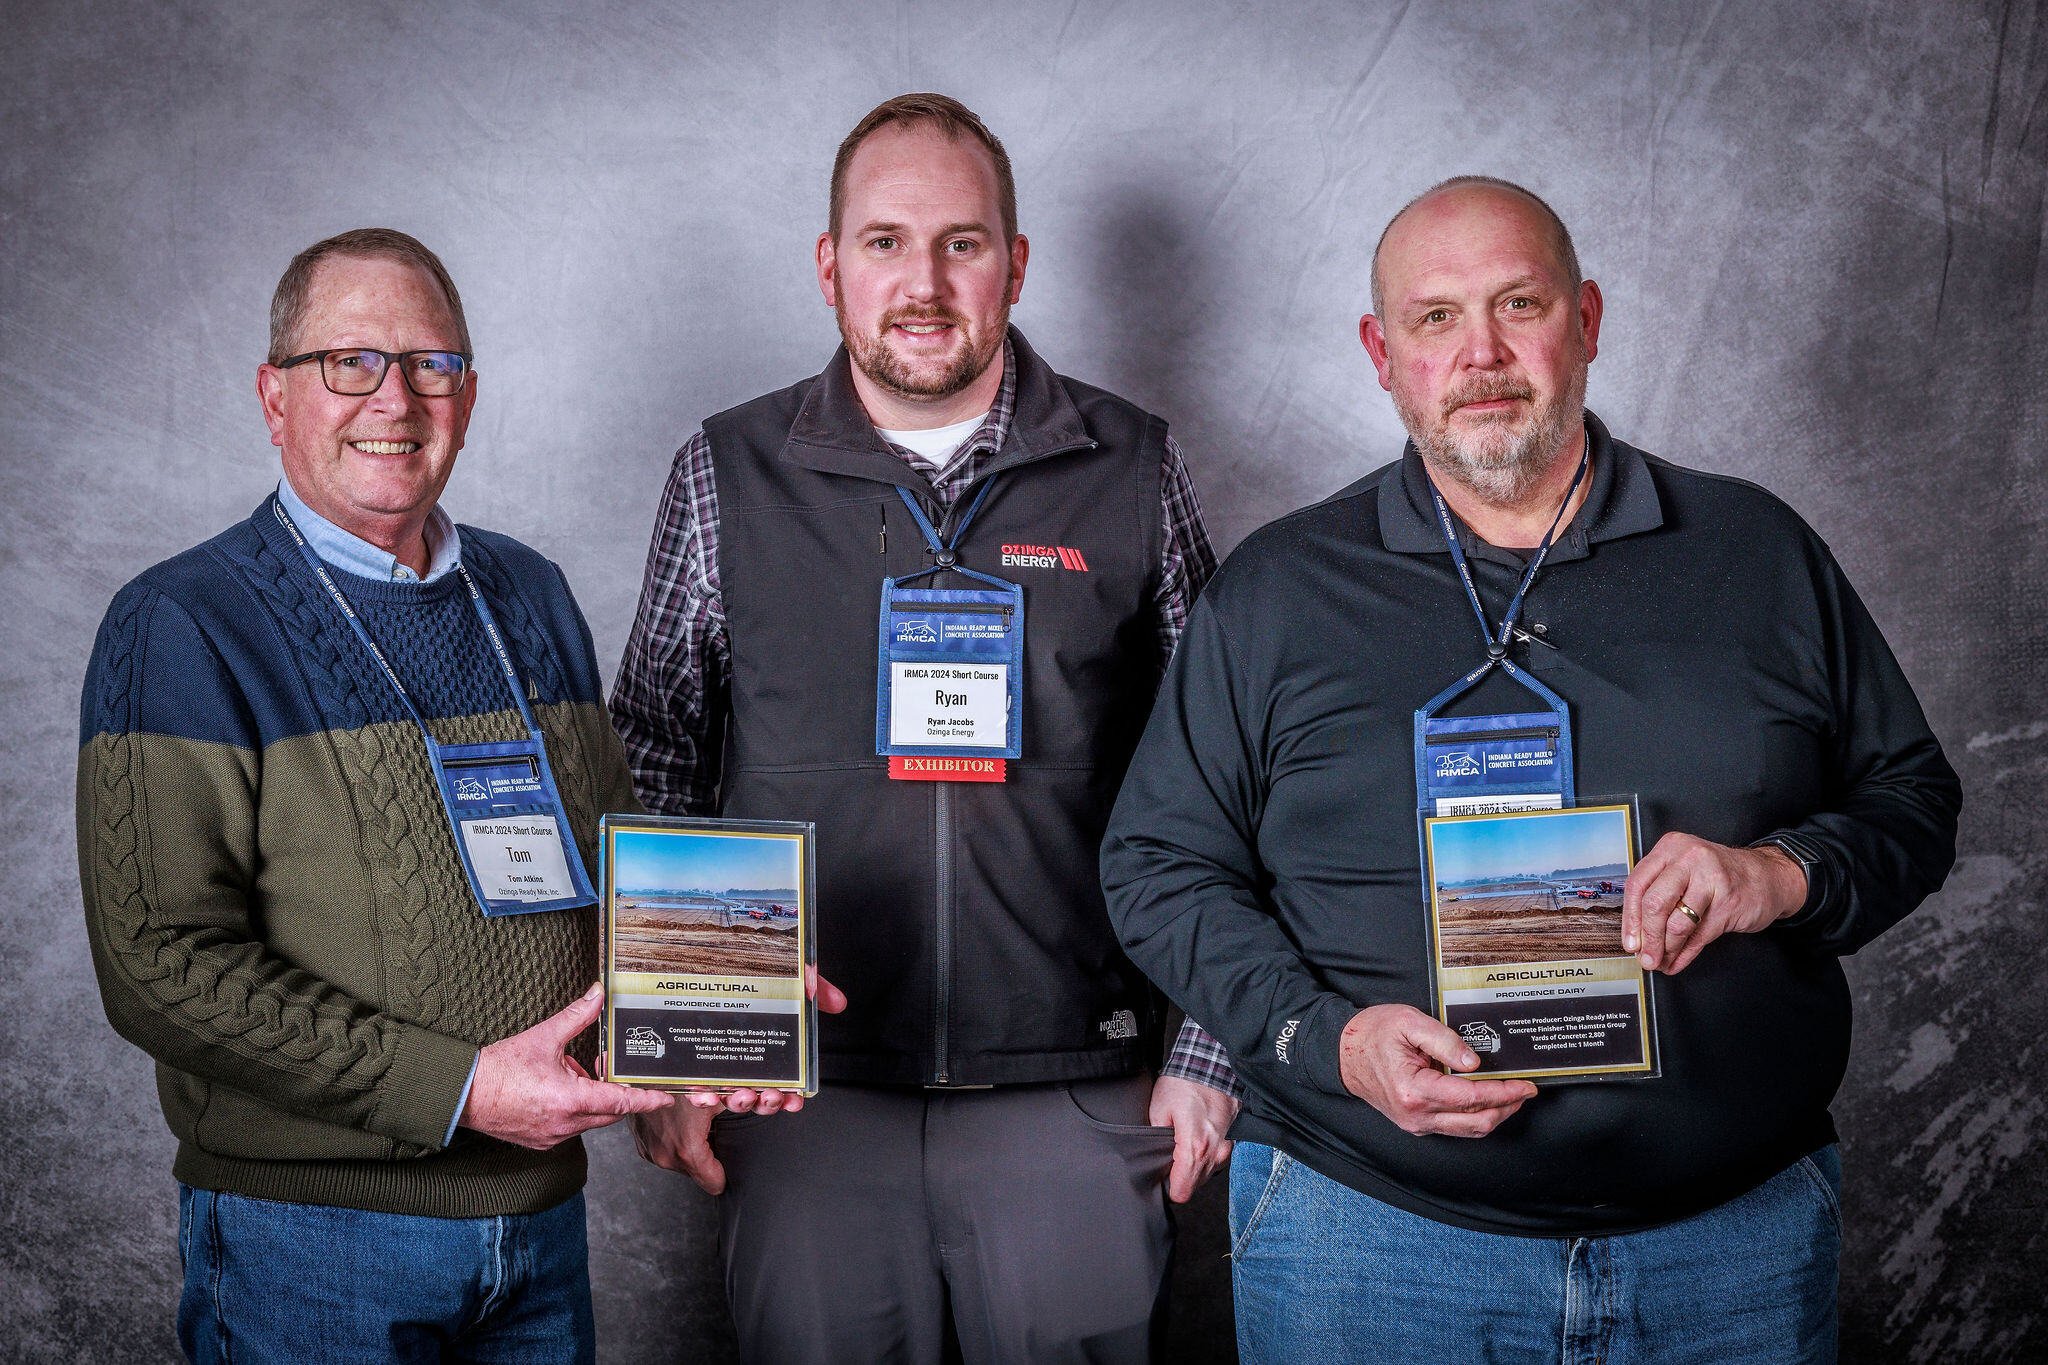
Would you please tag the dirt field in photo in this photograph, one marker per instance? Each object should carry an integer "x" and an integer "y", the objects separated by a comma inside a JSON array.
[
  {"x": 649, "y": 941},
  {"x": 1537, "y": 927}
]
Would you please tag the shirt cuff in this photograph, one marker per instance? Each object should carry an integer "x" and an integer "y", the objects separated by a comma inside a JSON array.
[
  {"x": 462, "y": 1101},
  {"x": 1199, "y": 1058}
]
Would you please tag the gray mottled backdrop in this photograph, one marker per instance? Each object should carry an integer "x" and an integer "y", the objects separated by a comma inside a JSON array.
[{"x": 1819, "y": 227}]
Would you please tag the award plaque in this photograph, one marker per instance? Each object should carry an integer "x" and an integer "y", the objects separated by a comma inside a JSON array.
[
  {"x": 707, "y": 933},
  {"x": 1525, "y": 941}
]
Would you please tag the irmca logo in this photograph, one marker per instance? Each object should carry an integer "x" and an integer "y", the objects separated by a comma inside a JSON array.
[
  {"x": 469, "y": 789},
  {"x": 918, "y": 632},
  {"x": 1045, "y": 557},
  {"x": 1460, "y": 764},
  {"x": 1479, "y": 1036}
]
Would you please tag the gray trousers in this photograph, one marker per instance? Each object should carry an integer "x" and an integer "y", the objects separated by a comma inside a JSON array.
[{"x": 1024, "y": 1223}]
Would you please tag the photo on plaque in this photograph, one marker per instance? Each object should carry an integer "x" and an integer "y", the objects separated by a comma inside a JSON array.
[
  {"x": 1525, "y": 933},
  {"x": 707, "y": 931}
]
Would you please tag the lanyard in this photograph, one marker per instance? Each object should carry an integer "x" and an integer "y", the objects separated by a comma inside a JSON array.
[
  {"x": 944, "y": 551},
  {"x": 1497, "y": 645},
  {"x": 348, "y": 612}
]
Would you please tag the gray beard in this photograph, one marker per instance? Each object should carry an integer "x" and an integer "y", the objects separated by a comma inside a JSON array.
[{"x": 1502, "y": 469}]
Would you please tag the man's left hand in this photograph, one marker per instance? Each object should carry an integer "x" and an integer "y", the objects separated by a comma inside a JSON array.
[
  {"x": 1731, "y": 890},
  {"x": 1199, "y": 1115}
]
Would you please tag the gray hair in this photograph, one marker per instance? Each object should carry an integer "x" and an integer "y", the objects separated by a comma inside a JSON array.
[{"x": 288, "y": 304}]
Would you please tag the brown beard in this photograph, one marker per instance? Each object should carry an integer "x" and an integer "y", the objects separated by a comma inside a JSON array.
[{"x": 880, "y": 363}]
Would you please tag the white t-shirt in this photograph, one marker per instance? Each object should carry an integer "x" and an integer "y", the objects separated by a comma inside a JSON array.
[{"x": 938, "y": 447}]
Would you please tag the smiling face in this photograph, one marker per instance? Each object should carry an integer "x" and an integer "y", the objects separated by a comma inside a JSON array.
[
  {"x": 921, "y": 277},
  {"x": 1483, "y": 339},
  {"x": 373, "y": 465}
]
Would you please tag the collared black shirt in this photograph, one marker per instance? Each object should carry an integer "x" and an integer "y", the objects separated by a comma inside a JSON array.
[{"x": 1262, "y": 862}]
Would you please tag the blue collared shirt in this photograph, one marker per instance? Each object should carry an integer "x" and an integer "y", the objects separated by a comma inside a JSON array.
[{"x": 352, "y": 554}]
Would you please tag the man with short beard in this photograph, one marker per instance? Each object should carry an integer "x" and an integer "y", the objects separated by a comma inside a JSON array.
[
  {"x": 984, "y": 1169},
  {"x": 1262, "y": 863}
]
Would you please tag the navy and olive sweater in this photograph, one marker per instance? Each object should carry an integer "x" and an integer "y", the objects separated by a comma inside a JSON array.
[{"x": 276, "y": 908}]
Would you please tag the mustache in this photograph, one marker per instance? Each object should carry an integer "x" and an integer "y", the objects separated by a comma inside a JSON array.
[
  {"x": 1486, "y": 390},
  {"x": 921, "y": 315}
]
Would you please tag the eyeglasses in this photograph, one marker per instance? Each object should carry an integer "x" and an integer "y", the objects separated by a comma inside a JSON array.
[{"x": 353, "y": 372}]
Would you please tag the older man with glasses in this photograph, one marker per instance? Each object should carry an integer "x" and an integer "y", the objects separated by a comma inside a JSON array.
[{"x": 314, "y": 750}]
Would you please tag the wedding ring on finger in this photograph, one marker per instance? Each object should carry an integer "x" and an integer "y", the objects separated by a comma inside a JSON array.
[{"x": 1689, "y": 913}]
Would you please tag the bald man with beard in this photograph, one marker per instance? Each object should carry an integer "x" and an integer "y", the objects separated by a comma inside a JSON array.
[{"x": 1262, "y": 863}]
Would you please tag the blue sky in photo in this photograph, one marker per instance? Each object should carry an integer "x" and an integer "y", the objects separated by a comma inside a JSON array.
[
  {"x": 705, "y": 862},
  {"x": 1528, "y": 845}
]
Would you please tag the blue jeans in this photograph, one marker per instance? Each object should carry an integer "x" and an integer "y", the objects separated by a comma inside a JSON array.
[
  {"x": 1324, "y": 1275},
  {"x": 267, "y": 1281}
]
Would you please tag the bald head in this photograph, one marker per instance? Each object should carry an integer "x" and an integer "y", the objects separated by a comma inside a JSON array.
[{"x": 1463, "y": 193}]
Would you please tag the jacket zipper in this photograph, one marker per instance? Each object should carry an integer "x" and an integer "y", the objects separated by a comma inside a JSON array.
[
  {"x": 1476, "y": 736},
  {"x": 942, "y": 947},
  {"x": 942, "y": 824}
]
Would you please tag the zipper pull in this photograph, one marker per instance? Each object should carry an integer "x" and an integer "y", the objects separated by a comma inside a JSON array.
[{"x": 884, "y": 510}]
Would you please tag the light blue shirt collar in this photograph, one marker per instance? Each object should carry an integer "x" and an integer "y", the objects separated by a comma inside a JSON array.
[{"x": 352, "y": 554}]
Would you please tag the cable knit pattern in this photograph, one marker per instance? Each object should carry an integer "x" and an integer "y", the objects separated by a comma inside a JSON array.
[
  {"x": 274, "y": 896},
  {"x": 253, "y": 1015}
]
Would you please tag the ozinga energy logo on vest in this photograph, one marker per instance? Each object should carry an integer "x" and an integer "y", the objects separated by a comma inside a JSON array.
[{"x": 1044, "y": 557}]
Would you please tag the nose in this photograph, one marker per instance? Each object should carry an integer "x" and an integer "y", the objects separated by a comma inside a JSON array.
[
  {"x": 1485, "y": 347},
  {"x": 921, "y": 276},
  {"x": 392, "y": 394}
]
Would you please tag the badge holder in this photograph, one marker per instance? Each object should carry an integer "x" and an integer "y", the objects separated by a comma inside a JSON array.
[
  {"x": 949, "y": 673},
  {"x": 1521, "y": 962},
  {"x": 511, "y": 830}
]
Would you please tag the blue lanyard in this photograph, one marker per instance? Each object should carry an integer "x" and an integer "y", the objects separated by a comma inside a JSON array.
[
  {"x": 944, "y": 549},
  {"x": 1497, "y": 645},
  {"x": 348, "y": 612}
]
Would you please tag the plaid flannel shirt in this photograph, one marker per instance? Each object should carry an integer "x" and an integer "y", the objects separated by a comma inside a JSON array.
[{"x": 678, "y": 658}]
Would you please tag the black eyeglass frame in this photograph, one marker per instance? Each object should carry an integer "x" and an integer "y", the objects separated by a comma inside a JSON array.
[{"x": 391, "y": 358}]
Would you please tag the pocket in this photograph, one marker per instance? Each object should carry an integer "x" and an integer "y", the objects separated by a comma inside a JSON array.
[
  {"x": 1282, "y": 1164},
  {"x": 1097, "y": 1101},
  {"x": 1826, "y": 1187}
]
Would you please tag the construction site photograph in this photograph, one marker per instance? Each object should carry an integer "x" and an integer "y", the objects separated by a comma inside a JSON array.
[
  {"x": 704, "y": 938},
  {"x": 1531, "y": 886},
  {"x": 706, "y": 904}
]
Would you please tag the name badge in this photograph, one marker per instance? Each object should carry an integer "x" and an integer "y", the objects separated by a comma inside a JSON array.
[
  {"x": 508, "y": 823},
  {"x": 1473, "y": 765},
  {"x": 949, "y": 681}
]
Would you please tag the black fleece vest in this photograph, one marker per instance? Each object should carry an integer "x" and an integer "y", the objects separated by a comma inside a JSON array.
[{"x": 964, "y": 920}]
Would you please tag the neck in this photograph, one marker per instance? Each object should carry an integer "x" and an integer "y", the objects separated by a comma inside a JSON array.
[
  {"x": 408, "y": 545},
  {"x": 402, "y": 535},
  {"x": 892, "y": 411},
  {"x": 1521, "y": 524}
]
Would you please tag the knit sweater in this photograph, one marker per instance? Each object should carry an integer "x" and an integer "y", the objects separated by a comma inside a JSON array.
[{"x": 274, "y": 900}]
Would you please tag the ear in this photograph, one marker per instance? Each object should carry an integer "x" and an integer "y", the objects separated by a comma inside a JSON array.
[
  {"x": 1591, "y": 307},
  {"x": 468, "y": 400},
  {"x": 828, "y": 269},
  {"x": 1020, "y": 256},
  {"x": 1374, "y": 338},
  {"x": 270, "y": 393}
]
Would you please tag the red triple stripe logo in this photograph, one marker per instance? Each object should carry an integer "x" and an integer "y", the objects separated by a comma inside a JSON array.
[{"x": 1072, "y": 559}]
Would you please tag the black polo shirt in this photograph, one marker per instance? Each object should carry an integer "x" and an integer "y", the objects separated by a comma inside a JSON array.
[{"x": 1262, "y": 864}]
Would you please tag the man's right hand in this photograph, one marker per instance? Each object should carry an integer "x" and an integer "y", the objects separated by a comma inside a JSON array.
[
  {"x": 1388, "y": 1056},
  {"x": 529, "y": 1091},
  {"x": 679, "y": 1139}
]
